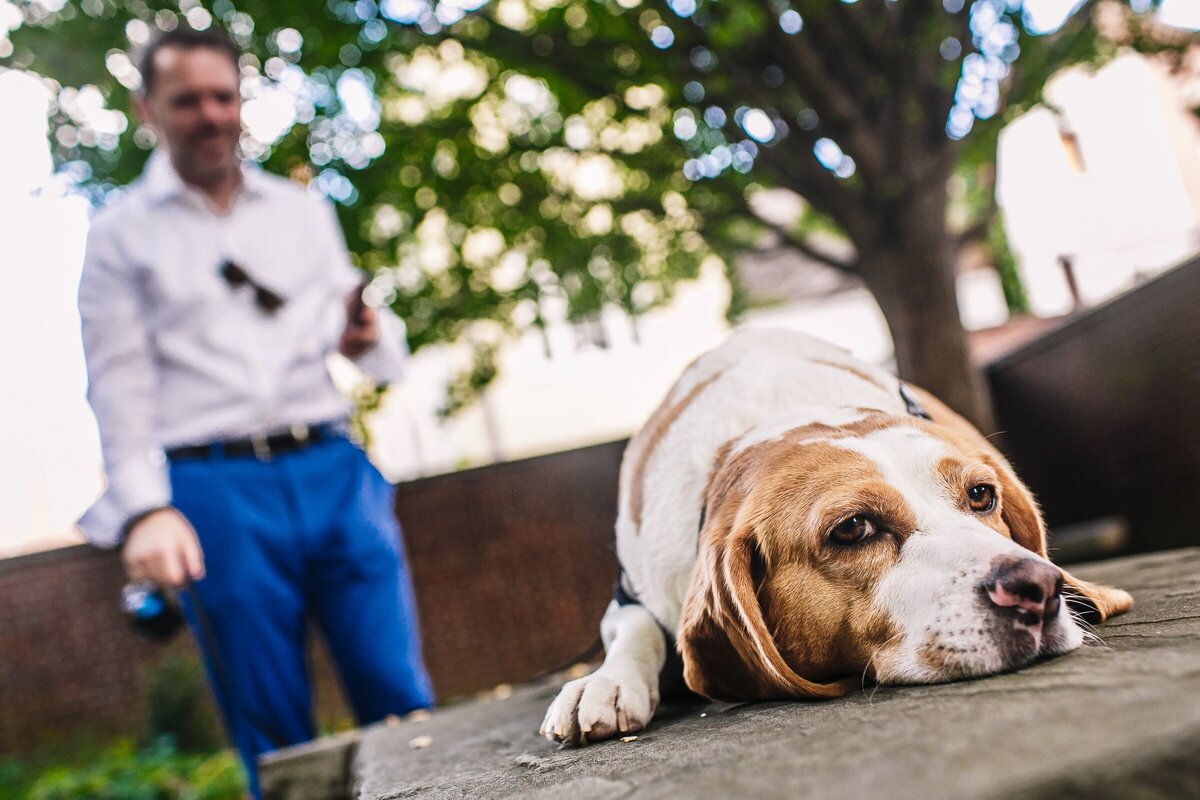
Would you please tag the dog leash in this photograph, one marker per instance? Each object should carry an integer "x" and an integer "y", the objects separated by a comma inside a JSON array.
[
  {"x": 209, "y": 641},
  {"x": 587, "y": 655}
]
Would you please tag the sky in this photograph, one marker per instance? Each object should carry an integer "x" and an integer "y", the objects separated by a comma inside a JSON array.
[{"x": 49, "y": 449}]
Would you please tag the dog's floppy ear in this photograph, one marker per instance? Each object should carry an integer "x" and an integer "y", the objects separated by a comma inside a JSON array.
[
  {"x": 728, "y": 651},
  {"x": 1095, "y": 602}
]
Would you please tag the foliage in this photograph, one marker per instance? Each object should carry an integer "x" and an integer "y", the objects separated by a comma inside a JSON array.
[
  {"x": 159, "y": 772},
  {"x": 1006, "y": 266},
  {"x": 367, "y": 397},
  {"x": 467, "y": 385},
  {"x": 546, "y": 158},
  {"x": 178, "y": 706},
  {"x": 15, "y": 779}
]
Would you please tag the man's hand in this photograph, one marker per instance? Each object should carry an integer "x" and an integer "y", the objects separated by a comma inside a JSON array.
[
  {"x": 362, "y": 327},
  {"x": 162, "y": 548}
]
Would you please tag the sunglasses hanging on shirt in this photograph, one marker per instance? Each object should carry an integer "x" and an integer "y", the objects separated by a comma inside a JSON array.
[{"x": 267, "y": 301}]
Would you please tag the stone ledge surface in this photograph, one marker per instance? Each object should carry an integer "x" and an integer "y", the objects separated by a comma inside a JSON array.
[
  {"x": 1117, "y": 719},
  {"x": 316, "y": 770}
]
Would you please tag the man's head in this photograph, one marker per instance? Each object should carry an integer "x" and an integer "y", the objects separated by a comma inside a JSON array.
[{"x": 191, "y": 97}]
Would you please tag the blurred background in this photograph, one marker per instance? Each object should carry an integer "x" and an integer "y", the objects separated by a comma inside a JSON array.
[
  {"x": 563, "y": 233},
  {"x": 569, "y": 200}
]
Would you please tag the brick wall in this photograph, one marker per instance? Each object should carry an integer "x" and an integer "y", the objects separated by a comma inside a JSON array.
[{"x": 513, "y": 565}]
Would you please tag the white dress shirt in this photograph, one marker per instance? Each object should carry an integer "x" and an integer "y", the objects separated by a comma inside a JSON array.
[{"x": 176, "y": 356}]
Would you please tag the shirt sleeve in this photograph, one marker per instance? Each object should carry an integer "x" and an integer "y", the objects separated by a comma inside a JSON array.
[
  {"x": 385, "y": 361},
  {"x": 122, "y": 383}
]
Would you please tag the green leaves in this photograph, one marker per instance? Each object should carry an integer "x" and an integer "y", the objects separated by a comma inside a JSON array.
[{"x": 518, "y": 163}]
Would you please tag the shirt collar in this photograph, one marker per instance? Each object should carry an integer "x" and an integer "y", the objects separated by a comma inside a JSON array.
[{"x": 161, "y": 182}]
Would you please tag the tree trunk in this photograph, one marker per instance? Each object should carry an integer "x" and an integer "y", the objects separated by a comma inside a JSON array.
[{"x": 909, "y": 269}]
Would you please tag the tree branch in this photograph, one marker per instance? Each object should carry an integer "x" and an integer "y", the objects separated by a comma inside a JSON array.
[
  {"x": 978, "y": 229},
  {"x": 791, "y": 241},
  {"x": 799, "y": 172},
  {"x": 838, "y": 109}
]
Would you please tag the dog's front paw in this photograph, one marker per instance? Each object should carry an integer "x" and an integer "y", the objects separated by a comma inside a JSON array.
[{"x": 599, "y": 707}]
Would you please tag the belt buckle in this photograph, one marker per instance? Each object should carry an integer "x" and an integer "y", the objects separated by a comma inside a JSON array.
[{"x": 262, "y": 448}]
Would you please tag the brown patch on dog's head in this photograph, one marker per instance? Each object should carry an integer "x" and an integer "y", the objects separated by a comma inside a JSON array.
[
  {"x": 1019, "y": 510},
  {"x": 769, "y": 613}
]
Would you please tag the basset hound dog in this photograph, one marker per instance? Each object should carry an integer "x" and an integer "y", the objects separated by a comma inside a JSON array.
[{"x": 794, "y": 523}]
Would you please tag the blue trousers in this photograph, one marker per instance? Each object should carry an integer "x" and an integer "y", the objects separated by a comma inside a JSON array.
[{"x": 307, "y": 535}]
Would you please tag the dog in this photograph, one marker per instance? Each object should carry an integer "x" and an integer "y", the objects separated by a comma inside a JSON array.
[{"x": 793, "y": 523}]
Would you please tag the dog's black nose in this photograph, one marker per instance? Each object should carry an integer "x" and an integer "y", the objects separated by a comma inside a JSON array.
[{"x": 1032, "y": 587}]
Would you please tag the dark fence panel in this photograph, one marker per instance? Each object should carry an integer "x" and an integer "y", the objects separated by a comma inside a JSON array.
[
  {"x": 513, "y": 563},
  {"x": 1102, "y": 416}
]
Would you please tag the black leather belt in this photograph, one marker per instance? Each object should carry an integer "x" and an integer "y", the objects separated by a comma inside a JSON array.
[{"x": 262, "y": 447}]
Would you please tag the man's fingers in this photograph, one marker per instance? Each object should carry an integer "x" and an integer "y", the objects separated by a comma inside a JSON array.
[
  {"x": 355, "y": 342},
  {"x": 165, "y": 565},
  {"x": 193, "y": 559},
  {"x": 361, "y": 339},
  {"x": 136, "y": 570},
  {"x": 173, "y": 569},
  {"x": 163, "y": 548},
  {"x": 161, "y": 567},
  {"x": 139, "y": 563}
]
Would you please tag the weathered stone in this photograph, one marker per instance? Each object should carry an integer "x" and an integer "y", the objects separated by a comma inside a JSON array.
[
  {"x": 317, "y": 770},
  {"x": 1118, "y": 719}
]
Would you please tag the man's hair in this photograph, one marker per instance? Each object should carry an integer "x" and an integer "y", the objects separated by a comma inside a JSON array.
[{"x": 185, "y": 38}]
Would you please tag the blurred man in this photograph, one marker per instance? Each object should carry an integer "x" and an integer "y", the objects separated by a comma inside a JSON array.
[{"x": 211, "y": 294}]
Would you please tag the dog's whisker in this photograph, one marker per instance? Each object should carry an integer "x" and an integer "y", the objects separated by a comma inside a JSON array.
[{"x": 871, "y": 663}]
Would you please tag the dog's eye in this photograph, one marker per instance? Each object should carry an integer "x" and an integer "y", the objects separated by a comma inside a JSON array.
[
  {"x": 981, "y": 498},
  {"x": 853, "y": 530}
]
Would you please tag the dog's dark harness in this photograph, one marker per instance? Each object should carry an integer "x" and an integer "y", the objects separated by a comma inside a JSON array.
[
  {"x": 670, "y": 679},
  {"x": 911, "y": 404}
]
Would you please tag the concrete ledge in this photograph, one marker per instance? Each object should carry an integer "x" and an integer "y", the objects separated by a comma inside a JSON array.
[
  {"x": 317, "y": 770},
  {"x": 1117, "y": 719}
]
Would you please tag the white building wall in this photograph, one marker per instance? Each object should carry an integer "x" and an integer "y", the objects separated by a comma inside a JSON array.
[{"x": 1129, "y": 213}]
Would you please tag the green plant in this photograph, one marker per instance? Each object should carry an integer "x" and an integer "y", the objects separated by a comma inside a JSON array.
[
  {"x": 158, "y": 772},
  {"x": 178, "y": 706},
  {"x": 1006, "y": 266},
  {"x": 15, "y": 777}
]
